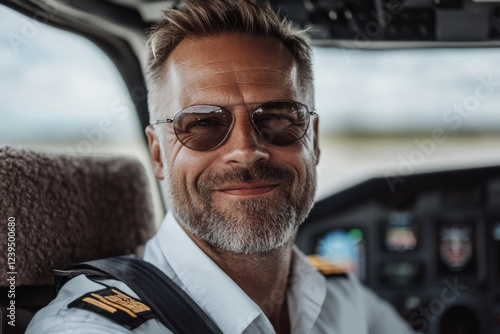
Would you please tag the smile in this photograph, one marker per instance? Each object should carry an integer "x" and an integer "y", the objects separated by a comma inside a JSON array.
[{"x": 248, "y": 189}]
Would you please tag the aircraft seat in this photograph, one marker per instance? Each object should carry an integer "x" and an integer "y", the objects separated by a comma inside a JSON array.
[{"x": 58, "y": 209}]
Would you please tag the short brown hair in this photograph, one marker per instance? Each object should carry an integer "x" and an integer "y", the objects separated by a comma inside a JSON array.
[{"x": 205, "y": 18}]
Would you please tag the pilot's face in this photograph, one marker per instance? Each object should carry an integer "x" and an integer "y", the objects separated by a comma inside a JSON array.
[{"x": 245, "y": 196}]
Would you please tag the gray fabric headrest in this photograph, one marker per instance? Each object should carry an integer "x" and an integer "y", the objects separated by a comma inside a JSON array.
[{"x": 68, "y": 209}]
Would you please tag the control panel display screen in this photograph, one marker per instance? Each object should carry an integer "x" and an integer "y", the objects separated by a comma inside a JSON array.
[
  {"x": 457, "y": 248},
  {"x": 496, "y": 231},
  {"x": 401, "y": 272},
  {"x": 346, "y": 249},
  {"x": 496, "y": 241},
  {"x": 401, "y": 233}
]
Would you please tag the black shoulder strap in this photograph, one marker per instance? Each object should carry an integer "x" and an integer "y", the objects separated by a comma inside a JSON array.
[{"x": 175, "y": 309}]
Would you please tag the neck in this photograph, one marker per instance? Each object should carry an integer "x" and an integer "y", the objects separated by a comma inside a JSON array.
[{"x": 263, "y": 277}]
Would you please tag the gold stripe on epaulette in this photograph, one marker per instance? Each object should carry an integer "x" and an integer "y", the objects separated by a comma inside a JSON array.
[
  {"x": 128, "y": 302},
  {"x": 124, "y": 309},
  {"x": 99, "y": 304},
  {"x": 323, "y": 265},
  {"x": 115, "y": 305}
]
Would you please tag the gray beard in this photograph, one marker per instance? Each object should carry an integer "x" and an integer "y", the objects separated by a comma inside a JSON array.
[{"x": 251, "y": 225}]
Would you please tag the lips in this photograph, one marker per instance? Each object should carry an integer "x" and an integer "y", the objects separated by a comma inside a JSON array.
[{"x": 248, "y": 189}]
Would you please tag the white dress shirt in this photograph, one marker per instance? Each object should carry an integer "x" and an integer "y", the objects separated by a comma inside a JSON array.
[{"x": 316, "y": 305}]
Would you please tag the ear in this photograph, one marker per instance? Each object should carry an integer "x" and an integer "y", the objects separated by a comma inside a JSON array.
[
  {"x": 154, "y": 150},
  {"x": 317, "y": 151}
]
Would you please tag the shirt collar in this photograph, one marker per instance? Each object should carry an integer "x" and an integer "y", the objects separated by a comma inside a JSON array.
[{"x": 306, "y": 293}]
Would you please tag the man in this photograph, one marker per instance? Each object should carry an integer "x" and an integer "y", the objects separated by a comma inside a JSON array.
[{"x": 234, "y": 139}]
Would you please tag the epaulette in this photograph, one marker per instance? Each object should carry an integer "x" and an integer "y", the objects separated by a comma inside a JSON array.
[
  {"x": 116, "y": 306},
  {"x": 325, "y": 267}
]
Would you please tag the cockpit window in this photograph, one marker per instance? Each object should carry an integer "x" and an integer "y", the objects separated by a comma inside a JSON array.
[
  {"x": 58, "y": 88},
  {"x": 400, "y": 91},
  {"x": 394, "y": 112},
  {"x": 59, "y": 91}
]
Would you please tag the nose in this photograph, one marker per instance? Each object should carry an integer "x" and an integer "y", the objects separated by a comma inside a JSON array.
[{"x": 244, "y": 146}]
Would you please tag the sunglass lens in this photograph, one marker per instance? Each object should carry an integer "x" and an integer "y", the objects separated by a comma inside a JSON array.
[
  {"x": 281, "y": 123},
  {"x": 202, "y": 127}
]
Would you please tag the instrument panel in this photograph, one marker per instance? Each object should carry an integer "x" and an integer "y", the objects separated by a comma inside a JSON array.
[{"x": 430, "y": 245}]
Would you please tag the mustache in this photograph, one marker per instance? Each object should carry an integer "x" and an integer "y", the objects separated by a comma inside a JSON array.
[{"x": 260, "y": 172}]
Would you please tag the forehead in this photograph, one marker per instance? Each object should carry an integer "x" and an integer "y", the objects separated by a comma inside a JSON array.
[{"x": 230, "y": 69}]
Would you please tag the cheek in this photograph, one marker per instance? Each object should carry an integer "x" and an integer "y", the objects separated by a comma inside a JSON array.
[
  {"x": 187, "y": 166},
  {"x": 307, "y": 158},
  {"x": 297, "y": 157},
  {"x": 309, "y": 145},
  {"x": 308, "y": 139}
]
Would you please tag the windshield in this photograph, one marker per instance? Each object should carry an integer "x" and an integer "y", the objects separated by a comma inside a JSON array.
[{"x": 392, "y": 112}]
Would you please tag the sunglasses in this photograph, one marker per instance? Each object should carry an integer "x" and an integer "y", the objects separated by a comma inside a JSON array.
[{"x": 206, "y": 127}]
